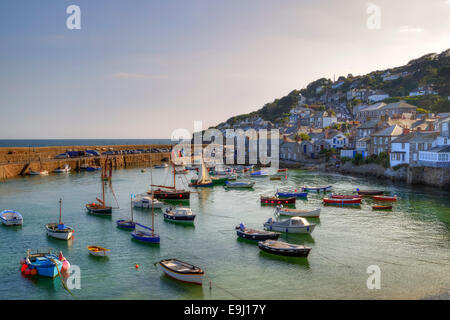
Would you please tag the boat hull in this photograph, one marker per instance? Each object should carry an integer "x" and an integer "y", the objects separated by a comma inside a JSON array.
[
  {"x": 98, "y": 253},
  {"x": 257, "y": 237},
  {"x": 342, "y": 202},
  {"x": 384, "y": 198},
  {"x": 11, "y": 218},
  {"x": 59, "y": 235},
  {"x": 179, "y": 219},
  {"x": 299, "y": 252},
  {"x": 290, "y": 229},
  {"x": 318, "y": 189},
  {"x": 172, "y": 195},
  {"x": 266, "y": 200},
  {"x": 196, "y": 278},
  {"x": 299, "y": 213},
  {"x": 146, "y": 238},
  {"x": 292, "y": 194},
  {"x": 100, "y": 211},
  {"x": 124, "y": 224}
]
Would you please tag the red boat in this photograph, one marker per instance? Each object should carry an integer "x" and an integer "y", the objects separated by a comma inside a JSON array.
[
  {"x": 337, "y": 196},
  {"x": 275, "y": 200},
  {"x": 283, "y": 170},
  {"x": 384, "y": 198},
  {"x": 381, "y": 207},
  {"x": 342, "y": 201}
]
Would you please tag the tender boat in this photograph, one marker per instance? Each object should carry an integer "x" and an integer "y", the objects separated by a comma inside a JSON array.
[
  {"x": 161, "y": 166},
  {"x": 182, "y": 271},
  {"x": 276, "y": 200},
  {"x": 382, "y": 207},
  {"x": 93, "y": 168},
  {"x": 342, "y": 202},
  {"x": 369, "y": 192},
  {"x": 275, "y": 178},
  {"x": 59, "y": 230},
  {"x": 239, "y": 185},
  {"x": 259, "y": 174},
  {"x": 297, "y": 212},
  {"x": 45, "y": 264},
  {"x": 316, "y": 189},
  {"x": 65, "y": 169},
  {"x": 183, "y": 215},
  {"x": 98, "y": 251},
  {"x": 145, "y": 234},
  {"x": 283, "y": 248},
  {"x": 292, "y": 225},
  {"x": 219, "y": 181},
  {"x": 11, "y": 218},
  {"x": 145, "y": 202},
  {"x": 349, "y": 196},
  {"x": 258, "y": 235},
  {"x": 385, "y": 198},
  {"x": 38, "y": 173},
  {"x": 296, "y": 194}
]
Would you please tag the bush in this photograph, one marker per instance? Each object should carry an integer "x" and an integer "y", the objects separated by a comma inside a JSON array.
[
  {"x": 399, "y": 166},
  {"x": 345, "y": 159},
  {"x": 358, "y": 159}
]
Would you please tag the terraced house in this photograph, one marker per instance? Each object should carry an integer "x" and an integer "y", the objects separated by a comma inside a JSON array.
[{"x": 380, "y": 141}]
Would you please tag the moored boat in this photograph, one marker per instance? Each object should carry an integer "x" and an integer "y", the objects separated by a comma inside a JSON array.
[
  {"x": 381, "y": 207},
  {"x": 289, "y": 194},
  {"x": 145, "y": 202},
  {"x": 342, "y": 202},
  {"x": 182, "y": 215},
  {"x": 275, "y": 178},
  {"x": 345, "y": 196},
  {"x": 161, "y": 166},
  {"x": 44, "y": 264},
  {"x": 292, "y": 225},
  {"x": 369, "y": 192},
  {"x": 257, "y": 235},
  {"x": 182, "y": 271},
  {"x": 65, "y": 169},
  {"x": 316, "y": 189},
  {"x": 59, "y": 230},
  {"x": 297, "y": 212},
  {"x": 283, "y": 248},
  {"x": 11, "y": 218},
  {"x": 128, "y": 224},
  {"x": 276, "y": 200},
  {"x": 98, "y": 251},
  {"x": 259, "y": 174},
  {"x": 145, "y": 234},
  {"x": 239, "y": 185},
  {"x": 385, "y": 198}
]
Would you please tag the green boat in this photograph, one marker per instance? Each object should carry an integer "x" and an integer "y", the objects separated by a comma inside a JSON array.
[{"x": 219, "y": 181}]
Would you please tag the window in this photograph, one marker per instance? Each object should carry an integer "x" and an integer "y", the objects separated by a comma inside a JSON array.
[
  {"x": 403, "y": 157},
  {"x": 403, "y": 146}
]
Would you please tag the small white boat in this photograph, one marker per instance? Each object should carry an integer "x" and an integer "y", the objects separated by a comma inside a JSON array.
[
  {"x": 66, "y": 169},
  {"x": 182, "y": 271},
  {"x": 98, "y": 251},
  {"x": 145, "y": 202},
  {"x": 38, "y": 173},
  {"x": 292, "y": 225},
  {"x": 59, "y": 230},
  {"x": 161, "y": 166},
  {"x": 297, "y": 212},
  {"x": 11, "y": 218}
]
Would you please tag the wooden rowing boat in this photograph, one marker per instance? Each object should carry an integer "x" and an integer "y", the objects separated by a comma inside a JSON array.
[
  {"x": 283, "y": 248},
  {"x": 349, "y": 196},
  {"x": 369, "y": 192},
  {"x": 297, "y": 212},
  {"x": 355, "y": 201},
  {"x": 98, "y": 251},
  {"x": 382, "y": 207},
  {"x": 182, "y": 271},
  {"x": 385, "y": 198}
]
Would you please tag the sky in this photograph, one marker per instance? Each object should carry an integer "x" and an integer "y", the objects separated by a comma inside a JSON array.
[{"x": 144, "y": 68}]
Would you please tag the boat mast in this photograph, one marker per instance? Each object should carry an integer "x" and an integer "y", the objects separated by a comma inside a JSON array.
[
  {"x": 131, "y": 205},
  {"x": 153, "y": 216},
  {"x": 60, "y": 205}
]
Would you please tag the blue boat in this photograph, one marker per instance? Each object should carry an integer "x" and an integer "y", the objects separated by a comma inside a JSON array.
[
  {"x": 93, "y": 168},
  {"x": 258, "y": 174},
  {"x": 317, "y": 189},
  {"x": 126, "y": 224},
  {"x": 292, "y": 194},
  {"x": 239, "y": 185},
  {"x": 46, "y": 264},
  {"x": 145, "y": 234}
]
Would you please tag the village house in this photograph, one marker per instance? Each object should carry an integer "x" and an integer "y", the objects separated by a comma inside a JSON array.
[
  {"x": 397, "y": 109},
  {"x": 439, "y": 154},
  {"x": 380, "y": 141},
  {"x": 377, "y": 96},
  {"x": 422, "y": 91},
  {"x": 322, "y": 119},
  {"x": 361, "y": 94},
  {"x": 370, "y": 111}
]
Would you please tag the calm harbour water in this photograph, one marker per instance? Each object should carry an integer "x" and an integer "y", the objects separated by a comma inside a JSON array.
[{"x": 410, "y": 244}]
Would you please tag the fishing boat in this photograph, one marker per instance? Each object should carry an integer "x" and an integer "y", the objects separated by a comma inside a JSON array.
[
  {"x": 145, "y": 234},
  {"x": 297, "y": 212},
  {"x": 204, "y": 179},
  {"x": 170, "y": 192},
  {"x": 369, "y": 192},
  {"x": 65, "y": 169},
  {"x": 349, "y": 196},
  {"x": 144, "y": 201},
  {"x": 276, "y": 200},
  {"x": 258, "y": 235},
  {"x": 100, "y": 208},
  {"x": 11, "y": 218},
  {"x": 286, "y": 194},
  {"x": 292, "y": 225},
  {"x": 98, "y": 251},
  {"x": 127, "y": 224},
  {"x": 385, "y": 198},
  {"x": 44, "y": 264},
  {"x": 316, "y": 189},
  {"x": 239, "y": 185},
  {"x": 342, "y": 202},
  {"x": 382, "y": 207},
  {"x": 59, "y": 230},
  {"x": 182, "y": 215},
  {"x": 283, "y": 248},
  {"x": 182, "y": 271}
]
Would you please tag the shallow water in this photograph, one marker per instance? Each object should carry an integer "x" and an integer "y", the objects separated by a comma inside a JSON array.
[{"x": 410, "y": 244}]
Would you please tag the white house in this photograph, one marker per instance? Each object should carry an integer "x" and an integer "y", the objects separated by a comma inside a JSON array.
[
  {"x": 378, "y": 96},
  {"x": 439, "y": 154},
  {"x": 421, "y": 91},
  {"x": 400, "y": 149}
]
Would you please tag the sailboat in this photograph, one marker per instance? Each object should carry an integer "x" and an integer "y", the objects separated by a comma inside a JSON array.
[
  {"x": 59, "y": 230},
  {"x": 169, "y": 192},
  {"x": 204, "y": 180},
  {"x": 40, "y": 172},
  {"x": 100, "y": 208},
  {"x": 127, "y": 224},
  {"x": 144, "y": 233}
]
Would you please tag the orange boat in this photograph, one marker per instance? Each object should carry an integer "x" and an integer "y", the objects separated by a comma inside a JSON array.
[
  {"x": 384, "y": 198},
  {"x": 381, "y": 207}
]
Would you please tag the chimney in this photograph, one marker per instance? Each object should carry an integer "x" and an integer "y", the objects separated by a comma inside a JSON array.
[
  {"x": 284, "y": 138},
  {"x": 405, "y": 131},
  {"x": 326, "y": 134}
]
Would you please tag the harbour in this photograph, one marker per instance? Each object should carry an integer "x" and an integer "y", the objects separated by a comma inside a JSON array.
[{"x": 409, "y": 243}]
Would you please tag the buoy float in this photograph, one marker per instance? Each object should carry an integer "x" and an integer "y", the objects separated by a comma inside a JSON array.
[
  {"x": 23, "y": 268},
  {"x": 33, "y": 272},
  {"x": 28, "y": 271},
  {"x": 137, "y": 266}
]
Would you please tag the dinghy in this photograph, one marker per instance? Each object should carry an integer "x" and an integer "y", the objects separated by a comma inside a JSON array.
[
  {"x": 145, "y": 234},
  {"x": 259, "y": 174},
  {"x": 100, "y": 208},
  {"x": 239, "y": 185},
  {"x": 44, "y": 264},
  {"x": 276, "y": 200},
  {"x": 275, "y": 178},
  {"x": 65, "y": 169},
  {"x": 161, "y": 166},
  {"x": 258, "y": 235},
  {"x": 297, "y": 212},
  {"x": 369, "y": 192},
  {"x": 283, "y": 248},
  {"x": 182, "y": 215},
  {"x": 285, "y": 194},
  {"x": 316, "y": 189},
  {"x": 292, "y": 225},
  {"x": 98, "y": 251},
  {"x": 59, "y": 230},
  {"x": 342, "y": 202},
  {"x": 382, "y": 207},
  {"x": 127, "y": 224},
  {"x": 11, "y": 218},
  {"x": 385, "y": 198},
  {"x": 182, "y": 271},
  {"x": 337, "y": 196}
]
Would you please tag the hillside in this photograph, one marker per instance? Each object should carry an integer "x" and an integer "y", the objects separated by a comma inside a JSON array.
[{"x": 431, "y": 70}]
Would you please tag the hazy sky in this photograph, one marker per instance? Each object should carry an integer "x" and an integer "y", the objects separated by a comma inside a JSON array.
[{"x": 142, "y": 68}]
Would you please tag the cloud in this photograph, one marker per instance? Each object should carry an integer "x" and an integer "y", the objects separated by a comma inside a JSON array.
[
  {"x": 133, "y": 75},
  {"x": 410, "y": 29}
]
